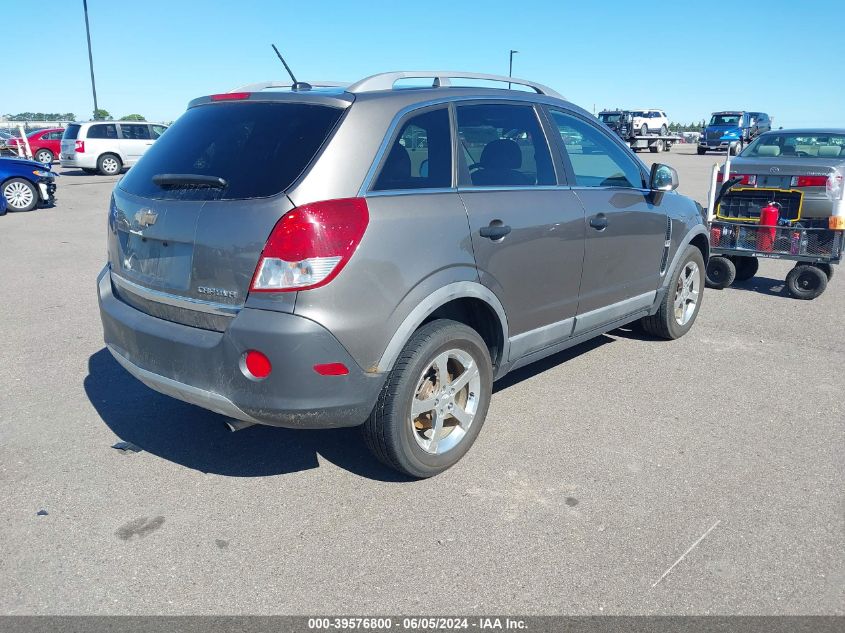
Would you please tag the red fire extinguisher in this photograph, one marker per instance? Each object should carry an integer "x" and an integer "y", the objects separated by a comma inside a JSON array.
[{"x": 769, "y": 216}]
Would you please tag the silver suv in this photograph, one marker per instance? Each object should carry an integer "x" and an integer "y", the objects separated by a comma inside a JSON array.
[
  {"x": 107, "y": 147},
  {"x": 377, "y": 255}
]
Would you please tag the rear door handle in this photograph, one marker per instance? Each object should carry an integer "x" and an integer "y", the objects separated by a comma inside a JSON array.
[
  {"x": 495, "y": 231},
  {"x": 599, "y": 222}
]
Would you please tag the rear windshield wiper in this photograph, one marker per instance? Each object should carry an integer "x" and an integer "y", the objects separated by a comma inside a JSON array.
[{"x": 190, "y": 180}]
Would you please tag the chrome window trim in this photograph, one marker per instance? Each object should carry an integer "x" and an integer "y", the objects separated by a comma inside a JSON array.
[
  {"x": 369, "y": 178},
  {"x": 199, "y": 305},
  {"x": 470, "y": 188}
]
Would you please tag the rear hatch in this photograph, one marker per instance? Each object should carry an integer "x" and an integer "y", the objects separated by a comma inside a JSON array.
[
  {"x": 68, "y": 144},
  {"x": 188, "y": 223}
]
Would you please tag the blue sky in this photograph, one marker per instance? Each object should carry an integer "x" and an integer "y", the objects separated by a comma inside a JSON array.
[{"x": 152, "y": 56}]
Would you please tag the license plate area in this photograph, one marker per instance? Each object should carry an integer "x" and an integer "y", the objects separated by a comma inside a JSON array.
[{"x": 155, "y": 262}]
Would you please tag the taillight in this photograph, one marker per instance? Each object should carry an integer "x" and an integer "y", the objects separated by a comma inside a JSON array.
[
  {"x": 747, "y": 179},
  {"x": 230, "y": 96},
  {"x": 310, "y": 245},
  {"x": 809, "y": 181},
  {"x": 79, "y": 147}
]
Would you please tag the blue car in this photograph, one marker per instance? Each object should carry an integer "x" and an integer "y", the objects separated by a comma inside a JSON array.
[{"x": 25, "y": 185}]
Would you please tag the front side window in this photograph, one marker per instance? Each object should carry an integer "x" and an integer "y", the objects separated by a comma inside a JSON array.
[
  {"x": 597, "y": 161},
  {"x": 134, "y": 132},
  {"x": 102, "y": 130},
  {"x": 504, "y": 146},
  {"x": 420, "y": 156}
]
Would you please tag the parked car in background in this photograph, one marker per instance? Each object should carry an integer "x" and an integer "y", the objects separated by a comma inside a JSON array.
[
  {"x": 26, "y": 184},
  {"x": 735, "y": 127},
  {"x": 281, "y": 257},
  {"x": 107, "y": 147},
  {"x": 45, "y": 144},
  {"x": 647, "y": 122}
]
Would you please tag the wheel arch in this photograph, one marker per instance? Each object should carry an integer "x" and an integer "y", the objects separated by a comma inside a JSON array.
[
  {"x": 467, "y": 302},
  {"x": 698, "y": 237}
]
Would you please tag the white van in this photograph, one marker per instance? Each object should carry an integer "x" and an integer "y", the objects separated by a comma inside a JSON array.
[{"x": 107, "y": 146}]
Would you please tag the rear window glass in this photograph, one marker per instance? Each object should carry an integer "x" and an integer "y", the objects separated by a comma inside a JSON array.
[
  {"x": 71, "y": 132},
  {"x": 258, "y": 149},
  {"x": 135, "y": 131},
  {"x": 103, "y": 130}
]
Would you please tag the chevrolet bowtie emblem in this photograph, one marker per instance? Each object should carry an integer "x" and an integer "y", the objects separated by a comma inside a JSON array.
[{"x": 145, "y": 217}]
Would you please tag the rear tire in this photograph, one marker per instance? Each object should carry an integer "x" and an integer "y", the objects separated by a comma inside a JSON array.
[
  {"x": 682, "y": 302},
  {"x": 737, "y": 149},
  {"x": 701, "y": 152},
  {"x": 806, "y": 282},
  {"x": 827, "y": 269},
  {"x": 664, "y": 130},
  {"x": 655, "y": 147},
  {"x": 109, "y": 165},
  {"x": 44, "y": 156},
  {"x": 644, "y": 130},
  {"x": 418, "y": 408},
  {"x": 20, "y": 194},
  {"x": 721, "y": 272},
  {"x": 746, "y": 267}
]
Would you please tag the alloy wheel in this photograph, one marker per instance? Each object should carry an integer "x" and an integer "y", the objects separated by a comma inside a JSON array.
[
  {"x": 686, "y": 293},
  {"x": 445, "y": 401},
  {"x": 18, "y": 195}
]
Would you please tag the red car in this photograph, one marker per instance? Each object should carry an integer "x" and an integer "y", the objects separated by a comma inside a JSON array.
[{"x": 45, "y": 144}]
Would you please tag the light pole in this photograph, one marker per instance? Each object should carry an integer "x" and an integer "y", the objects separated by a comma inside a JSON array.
[
  {"x": 90, "y": 57},
  {"x": 510, "y": 66}
]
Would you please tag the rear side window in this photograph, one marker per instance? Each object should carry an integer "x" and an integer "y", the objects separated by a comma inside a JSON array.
[
  {"x": 71, "y": 132},
  {"x": 102, "y": 130},
  {"x": 135, "y": 132},
  {"x": 259, "y": 149},
  {"x": 158, "y": 130},
  {"x": 420, "y": 156},
  {"x": 504, "y": 146}
]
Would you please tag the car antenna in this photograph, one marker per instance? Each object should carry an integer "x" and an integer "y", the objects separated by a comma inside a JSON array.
[{"x": 297, "y": 85}]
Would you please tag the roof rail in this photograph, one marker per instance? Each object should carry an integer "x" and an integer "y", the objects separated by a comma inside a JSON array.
[
  {"x": 440, "y": 79},
  {"x": 265, "y": 85}
]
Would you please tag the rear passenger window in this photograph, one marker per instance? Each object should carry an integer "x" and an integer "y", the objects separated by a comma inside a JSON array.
[
  {"x": 134, "y": 132},
  {"x": 504, "y": 146},
  {"x": 102, "y": 130},
  {"x": 596, "y": 160},
  {"x": 420, "y": 157}
]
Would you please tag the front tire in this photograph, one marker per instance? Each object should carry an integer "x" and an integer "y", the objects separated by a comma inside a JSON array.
[
  {"x": 20, "y": 194},
  {"x": 721, "y": 272},
  {"x": 434, "y": 402},
  {"x": 44, "y": 156},
  {"x": 644, "y": 130},
  {"x": 737, "y": 149},
  {"x": 109, "y": 165},
  {"x": 806, "y": 282},
  {"x": 664, "y": 130},
  {"x": 701, "y": 151},
  {"x": 682, "y": 302}
]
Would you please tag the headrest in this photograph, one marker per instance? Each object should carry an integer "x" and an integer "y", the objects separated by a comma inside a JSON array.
[
  {"x": 501, "y": 154},
  {"x": 768, "y": 150},
  {"x": 829, "y": 151}
]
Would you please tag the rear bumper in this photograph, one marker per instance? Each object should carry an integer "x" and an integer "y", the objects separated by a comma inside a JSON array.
[
  {"x": 82, "y": 161},
  {"x": 202, "y": 367}
]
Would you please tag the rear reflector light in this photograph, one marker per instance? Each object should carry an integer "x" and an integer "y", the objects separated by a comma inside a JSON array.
[
  {"x": 255, "y": 365},
  {"x": 331, "y": 369},
  {"x": 79, "y": 146},
  {"x": 809, "y": 181},
  {"x": 747, "y": 179},
  {"x": 230, "y": 96},
  {"x": 310, "y": 245},
  {"x": 836, "y": 223}
]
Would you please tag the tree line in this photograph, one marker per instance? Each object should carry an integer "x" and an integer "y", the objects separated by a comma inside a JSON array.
[{"x": 99, "y": 115}]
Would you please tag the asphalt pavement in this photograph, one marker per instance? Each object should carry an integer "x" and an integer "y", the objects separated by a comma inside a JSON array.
[{"x": 597, "y": 471}]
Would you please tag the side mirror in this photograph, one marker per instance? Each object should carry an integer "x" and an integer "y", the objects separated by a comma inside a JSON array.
[{"x": 663, "y": 178}]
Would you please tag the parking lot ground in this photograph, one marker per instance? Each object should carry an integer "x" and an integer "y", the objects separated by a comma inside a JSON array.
[{"x": 596, "y": 471}]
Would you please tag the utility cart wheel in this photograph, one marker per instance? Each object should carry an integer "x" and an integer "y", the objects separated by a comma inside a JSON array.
[
  {"x": 746, "y": 267},
  {"x": 806, "y": 281},
  {"x": 721, "y": 272},
  {"x": 826, "y": 268}
]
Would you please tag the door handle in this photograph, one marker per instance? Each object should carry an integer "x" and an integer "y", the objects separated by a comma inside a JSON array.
[
  {"x": 599, "y": 222},
  {"x": 495, "y": 231}
]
